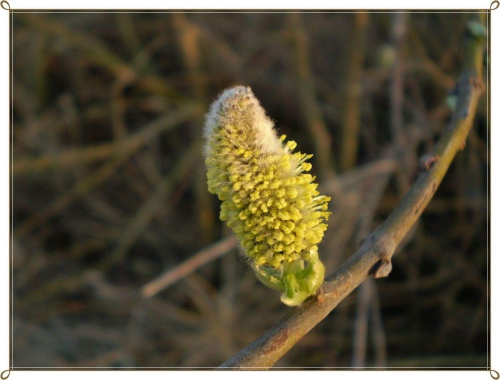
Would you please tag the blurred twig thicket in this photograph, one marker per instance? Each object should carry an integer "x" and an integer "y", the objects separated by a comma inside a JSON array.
[{"x": 109, "y": 188}]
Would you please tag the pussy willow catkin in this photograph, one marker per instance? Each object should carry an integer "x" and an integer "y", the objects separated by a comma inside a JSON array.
[{"x": 268, "y": 199}]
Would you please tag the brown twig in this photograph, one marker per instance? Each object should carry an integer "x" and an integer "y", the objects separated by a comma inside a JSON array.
[
  {"x": 399, "y": 25},
  {"x": 152, "y": 206},
  {"x": 378, "y": 333},
  {"x": 97, "y": 50},
  {"x": 352, "y": 119},
  {"x": 78, "y": 190},
  {"x": 307, "y": 94},
  {"x": 98, "y": 152},
  {"x": 368, "y": 288},
  {"x": 189, "y": 266},
  {"x": 373, "y": 258},
  {"x": 363, "y": 310},
  {"x": 189, "y": 40}
]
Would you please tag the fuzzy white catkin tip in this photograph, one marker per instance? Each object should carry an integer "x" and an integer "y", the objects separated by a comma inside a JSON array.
[{"x": 263, "y": 126}]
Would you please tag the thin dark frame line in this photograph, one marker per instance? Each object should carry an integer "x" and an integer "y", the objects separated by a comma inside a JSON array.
[
  {"x": 117, "y": 368},
  {"x": 248, "y": 11},
  {"x": 11, "y": 196},
  {"x": 488, "y": 211}
]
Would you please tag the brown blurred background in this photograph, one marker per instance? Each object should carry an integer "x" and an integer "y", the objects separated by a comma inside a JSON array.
[{"x": 109, "y": 187}]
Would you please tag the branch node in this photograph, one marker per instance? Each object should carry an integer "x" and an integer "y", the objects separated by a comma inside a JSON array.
[
  {"x": 477, "y": 83},
  {"x": 427, "y": 161},
  {"x": 320, "y": 297},
  {"x": 381, "y": 269}
]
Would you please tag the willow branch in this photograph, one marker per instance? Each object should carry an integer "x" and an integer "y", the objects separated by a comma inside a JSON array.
[{"x": 373, "y": 258}]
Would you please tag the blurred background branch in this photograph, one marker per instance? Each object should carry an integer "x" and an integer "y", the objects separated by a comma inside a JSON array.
[{"x": 353, "y": 92}]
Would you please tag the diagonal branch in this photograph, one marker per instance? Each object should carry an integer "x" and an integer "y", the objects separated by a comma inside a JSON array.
[
  {"x": 187, "y": 267},
  {"x": 373, "y": 258}
]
